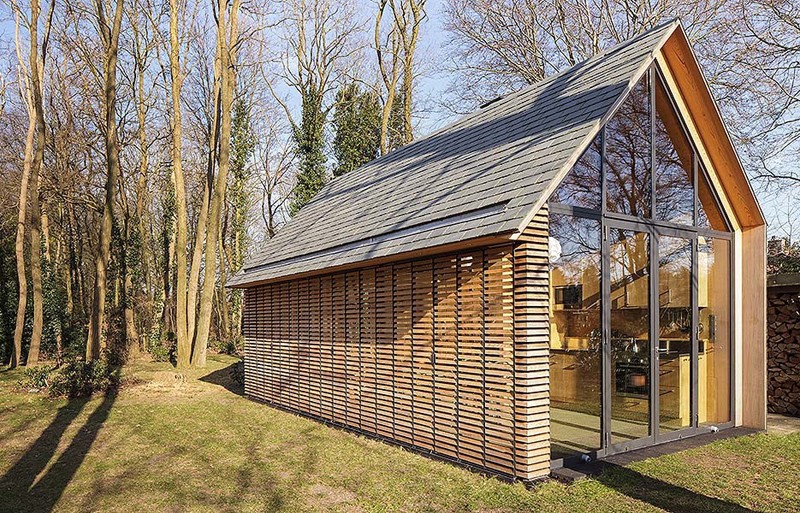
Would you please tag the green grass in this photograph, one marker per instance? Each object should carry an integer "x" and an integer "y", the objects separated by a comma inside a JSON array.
[{"x": 166, "y": 444}]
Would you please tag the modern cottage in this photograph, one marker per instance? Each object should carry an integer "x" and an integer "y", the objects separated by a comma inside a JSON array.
[{"x": 574, "y": 269}]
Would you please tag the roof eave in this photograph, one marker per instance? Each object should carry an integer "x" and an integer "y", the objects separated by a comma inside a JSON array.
[{"x": 240, "y": 281}]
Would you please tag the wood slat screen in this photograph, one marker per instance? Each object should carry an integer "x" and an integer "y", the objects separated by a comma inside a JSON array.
[{"x": 420, "y": 352}]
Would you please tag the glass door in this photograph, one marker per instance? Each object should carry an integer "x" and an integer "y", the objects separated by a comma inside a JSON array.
[
  {"x": 676, "y": 353},
  {"x": 629, "y": 383},
  {"x": 651, "y": 353}
]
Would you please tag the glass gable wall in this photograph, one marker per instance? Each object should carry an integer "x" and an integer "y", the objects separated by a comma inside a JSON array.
[{"x": 640, "y": 296}]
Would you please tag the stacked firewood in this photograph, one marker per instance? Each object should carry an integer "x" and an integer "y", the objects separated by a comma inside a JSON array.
[{"x": 783, "y": 352}]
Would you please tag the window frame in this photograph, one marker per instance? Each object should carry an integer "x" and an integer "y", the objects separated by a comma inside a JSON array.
[{"x": 657, "y": 226}]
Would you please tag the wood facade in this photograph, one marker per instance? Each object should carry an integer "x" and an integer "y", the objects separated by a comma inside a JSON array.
[{"x": 444, "y": 354}]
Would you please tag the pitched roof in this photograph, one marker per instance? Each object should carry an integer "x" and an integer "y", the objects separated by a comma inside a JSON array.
[{"x": 485, "y": 174}]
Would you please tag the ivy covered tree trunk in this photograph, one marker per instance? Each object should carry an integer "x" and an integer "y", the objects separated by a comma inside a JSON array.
[
  {"x": 243, "y": 142},
  {"x": 309, "y": 140},
  {"x": 357, "y": 127}
]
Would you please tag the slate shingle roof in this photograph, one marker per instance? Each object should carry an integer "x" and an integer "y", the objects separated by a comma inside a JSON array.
[{"x": 484, "y": 174}]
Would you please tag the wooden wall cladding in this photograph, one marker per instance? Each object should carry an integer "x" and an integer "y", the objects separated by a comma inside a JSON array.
[{"x": 421, "y": 352}]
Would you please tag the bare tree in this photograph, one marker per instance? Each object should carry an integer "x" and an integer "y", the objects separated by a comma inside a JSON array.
[
  {"x": 227, "y": 43},
  {"x": 109, "y": 35},
  {"x": 767, "y": 85},
  {"x": 500, "y": 47},
  {"x": 31, "y": 90},
  {"x": 181, "y": 222},
  {"x": 408, "y": 15},
  {"x": 388, "y": 52}
]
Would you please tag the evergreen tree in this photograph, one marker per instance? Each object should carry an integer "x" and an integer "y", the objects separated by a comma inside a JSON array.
[
  {"x": 357, "y": 126},
  {"x": 243, "y": 143},
  {"x": 309, "y": 140}
]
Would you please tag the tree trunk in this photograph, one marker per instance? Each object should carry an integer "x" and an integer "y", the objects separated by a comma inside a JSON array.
[
  {"x": 202, "y": 217},
  {"x": 19, "y": 244},
  {"x": 226, "y": 45},
  {"x": 181, "y": 228},
  {"x": 36, "y": 165},
  {"x": 110, "y": 36},
  {"x": 389, "y": 80},
  {"x": 36, "y": 261}
]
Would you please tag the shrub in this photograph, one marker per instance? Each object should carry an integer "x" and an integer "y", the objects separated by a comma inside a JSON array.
[
  {"x": 162, "y": 349},
  {"x": 231, "y": 346},
  {"x": 237, "y": 373},
  {"x": 36, "y": 378},
  {"x": 77, "y": 378}
]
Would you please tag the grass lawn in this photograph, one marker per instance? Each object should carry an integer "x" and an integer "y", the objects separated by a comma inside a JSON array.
[{"x": 168, "y": 444}]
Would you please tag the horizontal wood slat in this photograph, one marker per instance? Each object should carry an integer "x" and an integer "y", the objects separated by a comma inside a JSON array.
[{"x": 422, "y": 352}]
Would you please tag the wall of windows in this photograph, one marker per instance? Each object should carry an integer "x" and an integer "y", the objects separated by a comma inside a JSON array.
[
  {"x": 640, "y": 255},
  {"x": 575, "y": 335}
]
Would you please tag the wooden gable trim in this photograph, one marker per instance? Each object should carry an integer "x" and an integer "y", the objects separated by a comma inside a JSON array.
[
  {"x": 688, "y": 82},
  {"x": 683, "y": 112}
]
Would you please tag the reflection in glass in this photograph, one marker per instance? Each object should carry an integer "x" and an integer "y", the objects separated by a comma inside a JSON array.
[
  {"x": 628, "y": 155},
  {"x": 673, "y": 164},
  {"x": 674, "y": 332},
  {"x": 714, "y": 360},
  {"x": 581, "y": 187},
  {"x": 709, "y": 214},
  {"x": 574, "y": 335},
  {"x": 630, "y": 335}
]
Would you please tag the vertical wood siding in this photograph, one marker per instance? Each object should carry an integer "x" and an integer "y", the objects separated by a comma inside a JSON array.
[{"x": 422, "y": 352}]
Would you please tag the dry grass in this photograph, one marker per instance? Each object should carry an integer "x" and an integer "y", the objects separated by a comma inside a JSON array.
[{"x": 168, "y": 442}]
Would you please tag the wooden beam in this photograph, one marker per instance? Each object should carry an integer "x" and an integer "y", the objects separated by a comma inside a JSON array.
[
  {"x": 678, "y": 55},
  {"x": 754, "y": 327}
]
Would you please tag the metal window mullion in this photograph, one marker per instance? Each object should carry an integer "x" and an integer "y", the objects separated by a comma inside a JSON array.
[
  {"x": 652, "y": 104},
  {"x": 655, "y": 312},
  {"x": 605, "y": 304}
]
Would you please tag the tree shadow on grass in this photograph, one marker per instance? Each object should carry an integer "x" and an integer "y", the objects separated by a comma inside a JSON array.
[
  {"x": 224, "y": 378},
  {"x": 18, "y": 492},
  {"x": 669, "y": 497}
]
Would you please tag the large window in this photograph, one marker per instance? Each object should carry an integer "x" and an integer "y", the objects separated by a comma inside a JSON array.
[
  {"x": 628, "y": 155},
  {"x": 574, "y": 335},
  {"x": 714, "y": 330},
  {"x": 673, "y": 163},
  {"x": 581, "y": 188},
  {"x": 639, "y": 253}
]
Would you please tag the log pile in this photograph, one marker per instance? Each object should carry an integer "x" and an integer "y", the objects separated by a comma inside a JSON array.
[{"x": 783, "y": 351}]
